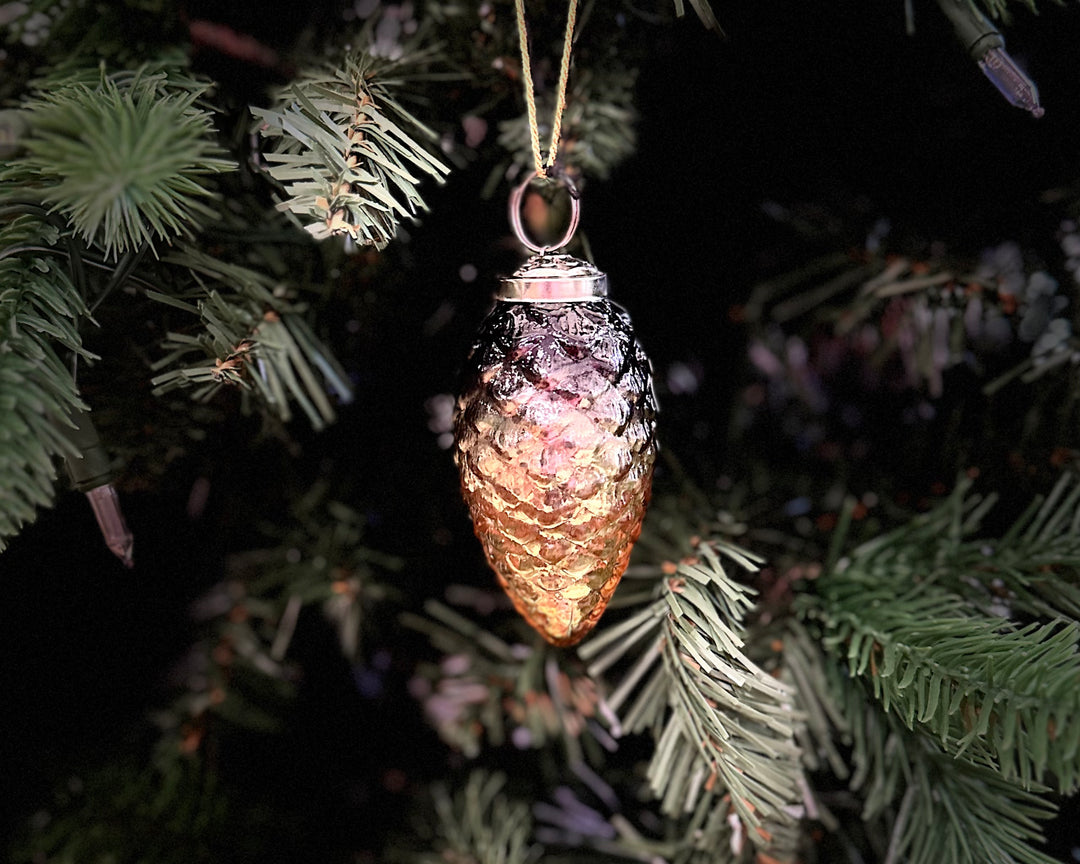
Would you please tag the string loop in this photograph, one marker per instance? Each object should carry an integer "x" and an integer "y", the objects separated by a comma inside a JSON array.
[{"x": 541, "y": 166}]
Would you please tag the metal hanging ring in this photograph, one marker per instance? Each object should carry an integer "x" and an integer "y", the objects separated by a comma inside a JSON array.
[{"x": 515, "y": 214}]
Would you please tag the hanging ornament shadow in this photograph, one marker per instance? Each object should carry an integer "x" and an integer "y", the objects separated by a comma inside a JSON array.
[{"x": 555, "y": 439}]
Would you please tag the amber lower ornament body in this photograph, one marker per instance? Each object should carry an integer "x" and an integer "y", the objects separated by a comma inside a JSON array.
[{"x": 555, "y": 445}]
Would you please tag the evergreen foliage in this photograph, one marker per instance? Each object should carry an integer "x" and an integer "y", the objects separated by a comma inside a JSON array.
[
  {"x": 480, "y": 824},
  {"x": 999, "y": 692},
  {"x": 132, "y": 813},
  {"x": 924, "y": 803},
  {"x": 240, "y": 674},
  {"x": 40, "y": 312},
  {"x": 251, "y": 336},
  {"x": 123, "y": 160},
  {"x": 723, "y": 726},
  {"x": 75, "y": 36},
  {"x": 340, "y": 145},
  {"x": 598, "y": 127}
]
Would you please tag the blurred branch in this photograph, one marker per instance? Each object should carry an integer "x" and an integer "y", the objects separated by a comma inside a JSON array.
[
  {"x": 240, "y": 671},
  {"x": 598, "y": 126},
  {"x": 480, "y": 824},
  {"x": 170, "y": 812},
  {"x": 488, "y": 691},
  {"x": 123, "y": 158}
]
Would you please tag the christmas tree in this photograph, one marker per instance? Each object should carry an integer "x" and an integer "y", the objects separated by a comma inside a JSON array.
[{"x": 244, "y": 253}]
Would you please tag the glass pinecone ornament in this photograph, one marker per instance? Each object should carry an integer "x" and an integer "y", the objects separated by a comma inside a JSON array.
[{"x": 556, "y": 442}]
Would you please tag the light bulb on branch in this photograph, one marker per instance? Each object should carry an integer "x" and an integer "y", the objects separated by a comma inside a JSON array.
[
  {"x": 91, "y": 473},
  {"x": 987, "y": 46}
]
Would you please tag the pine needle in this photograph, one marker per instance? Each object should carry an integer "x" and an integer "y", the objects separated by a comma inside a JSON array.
[
  {"x": 599, "y": 125},
  {"x": 39, "y": 306},
  {"x": 124, "y": 159},
  {"x": 724, "y": 728},
  {"x": 343, "y": 150},
  {"x": 252, "y": 339},
  {"x": 923, "y": 616},
  {"x": 482, "y": 824}
]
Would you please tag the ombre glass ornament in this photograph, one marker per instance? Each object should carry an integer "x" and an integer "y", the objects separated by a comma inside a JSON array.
[{"x": 555, "y": 438}]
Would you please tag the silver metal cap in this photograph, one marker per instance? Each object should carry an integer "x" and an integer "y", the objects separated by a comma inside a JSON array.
[{"x": 553, "y": 279}]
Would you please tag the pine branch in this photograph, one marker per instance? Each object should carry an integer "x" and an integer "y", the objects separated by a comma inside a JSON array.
[
  {"x": 238, "y": 677},
  {"x": 824, "y": 722},
  {"x": 959, "y": 812},
  {"x": 1033, "y": 570},
  {"x": 334, "y": 569},
  {"x": 240, "y": 672},
  {"x": 1037, "y": 562},
  {"x": 123, "y": 159},
  {"x": 931, "y": 806},
  {"x": 910, "y": 321},
  {"x": 598, "y": 125},
  {"x": 705, "y": 836},
  {"x": 481, "y": 825},
  {"x": 486, "y": 690},
  {"x": 81, "y": 33},
  {"x": 39, "y": 308},
  {"x": 998, "y": 693},
  {"x": 172, "y": 812},
  {"x": 252, "y": 338},
  {"x": 723, "y": 726},
  {"x": 342, "y": 148}
]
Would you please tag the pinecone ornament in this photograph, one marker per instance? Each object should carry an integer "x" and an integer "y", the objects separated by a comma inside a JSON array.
[{"x": 556, "y": 442}]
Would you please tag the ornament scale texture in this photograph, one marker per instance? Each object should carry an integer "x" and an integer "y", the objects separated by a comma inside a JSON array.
[{"x": 556, "y": 443}]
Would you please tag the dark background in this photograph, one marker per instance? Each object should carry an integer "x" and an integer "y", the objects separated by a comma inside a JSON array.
[{"x": 826, "y": 106}]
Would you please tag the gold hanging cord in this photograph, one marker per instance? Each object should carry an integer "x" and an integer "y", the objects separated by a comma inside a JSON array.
[{"x": 530, "y": 96}]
